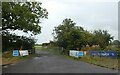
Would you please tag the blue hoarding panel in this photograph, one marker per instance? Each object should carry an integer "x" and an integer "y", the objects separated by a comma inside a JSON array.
[
  {"x": 103, "y": 53},
  {"x": 15, "y": 53},
  {"x": 81, "y": 54},
  {"x": 113, "y": 54}
]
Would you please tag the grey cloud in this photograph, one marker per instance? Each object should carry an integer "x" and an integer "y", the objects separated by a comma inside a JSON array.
[{"x": 100, "y": 15}]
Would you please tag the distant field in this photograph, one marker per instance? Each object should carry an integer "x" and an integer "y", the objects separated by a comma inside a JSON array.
[{"x": 38, "y": 47}]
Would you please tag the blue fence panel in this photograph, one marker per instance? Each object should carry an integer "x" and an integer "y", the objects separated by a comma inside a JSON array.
[
  {"x": 15, "y": 53},
  {"x": 103, "y": 53},
  {"x": 81, "y": 54}
]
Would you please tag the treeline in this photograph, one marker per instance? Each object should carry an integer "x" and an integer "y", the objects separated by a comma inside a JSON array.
[
  {"x": 12, "y": 41},
  {"x": 51, "y": 43},
  {"x": 24, "y": 17},
  {"x": 69, "y": 36}
]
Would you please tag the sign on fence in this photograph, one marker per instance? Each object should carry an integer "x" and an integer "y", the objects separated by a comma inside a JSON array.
[
  {"x": 103, "y": 53},
  {"x": 81, "y": 53},
  {"x": 23, "y": 52},
  {"x": 75, "y": 53},
  {"x": 15, "y": 53}
]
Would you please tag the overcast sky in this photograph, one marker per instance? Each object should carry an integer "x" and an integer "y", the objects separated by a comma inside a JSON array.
[{"x": 90, "y": 14}]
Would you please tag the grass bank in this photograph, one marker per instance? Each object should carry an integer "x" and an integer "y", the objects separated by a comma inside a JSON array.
[{"x": 7, "y": 58}]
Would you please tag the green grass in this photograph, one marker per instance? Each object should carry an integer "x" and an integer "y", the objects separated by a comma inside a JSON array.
[{"x": 38, "y": 47}]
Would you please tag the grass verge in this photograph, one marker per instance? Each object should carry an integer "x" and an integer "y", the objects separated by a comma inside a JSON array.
[{"x": 7, "y": 58}]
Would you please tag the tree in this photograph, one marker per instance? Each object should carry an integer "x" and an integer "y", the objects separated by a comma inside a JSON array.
[
  {"x": 22, "y": 16},
  {"x": 102, "y": 38},
  {"x": 12, "y": 41},
  {"x": 88, "y": 38},
  {"x": 116, "y": 42},
  {"x": 68, "y": 35},
  {"x": 45, "y": 44}
]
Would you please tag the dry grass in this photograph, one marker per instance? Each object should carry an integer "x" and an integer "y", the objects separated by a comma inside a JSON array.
[
  {"x": 6, "y": 61},
  {"x": 111, "y": 63},
  {"x": 7, "y": 58}
]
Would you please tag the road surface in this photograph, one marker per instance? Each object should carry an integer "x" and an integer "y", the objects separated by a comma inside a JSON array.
[{"x": 45, "y": 62}]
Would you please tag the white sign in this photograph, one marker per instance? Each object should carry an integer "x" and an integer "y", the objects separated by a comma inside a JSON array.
[
  {"x": 23, "y": 52},
  {"x": 74, "y": 53}
]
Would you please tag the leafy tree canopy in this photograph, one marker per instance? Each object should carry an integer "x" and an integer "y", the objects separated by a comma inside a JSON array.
[
  {"x": 22, "y": 16},
  {"x": 12, "y": 41},
  {"x": 69, "y": 36}
]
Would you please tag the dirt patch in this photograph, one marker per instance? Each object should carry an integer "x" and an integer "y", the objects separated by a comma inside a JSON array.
[{"x": 7, "y": 61}]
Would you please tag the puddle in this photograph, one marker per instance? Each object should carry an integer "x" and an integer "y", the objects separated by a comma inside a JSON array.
[
  {"x": 40, "y": 57},
  {"x": 12, "y": 64},
  {"x": 5, "y": 66},
  {"x": 37, "y": 58}
]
